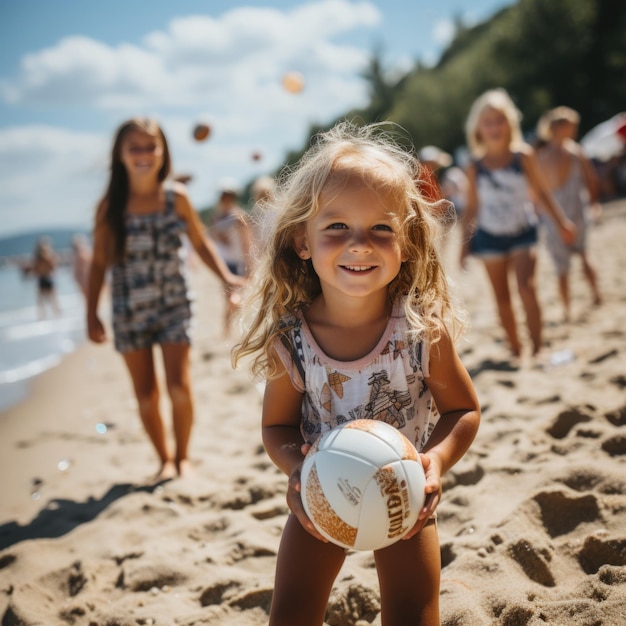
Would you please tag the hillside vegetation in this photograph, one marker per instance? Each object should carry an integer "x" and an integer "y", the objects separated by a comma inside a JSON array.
[{"x": 544, "y": 52}]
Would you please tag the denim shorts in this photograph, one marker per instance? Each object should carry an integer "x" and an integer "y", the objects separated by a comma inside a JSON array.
[{"x": 484, "y": 244}]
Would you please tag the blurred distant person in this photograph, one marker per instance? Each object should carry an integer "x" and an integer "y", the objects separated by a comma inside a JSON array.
[
  {"x": 43, "y": 267},
  {"x": 230, "y": 230},
  {"x": 81, "y": 262},
  {"x": 573, "y": 182},
  {"x": 499, "y": 219},
  {"x": 451, "y": 182},
  {"x": 262, "y": 195},
  {"x": 138, "y": 229}
]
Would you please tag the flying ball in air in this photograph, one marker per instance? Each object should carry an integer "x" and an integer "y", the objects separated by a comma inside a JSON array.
[
  {"x": 201, "y": 131},
  {"x": 293, "y": 82}
]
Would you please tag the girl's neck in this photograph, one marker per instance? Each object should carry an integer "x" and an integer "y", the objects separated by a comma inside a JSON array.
[
  {"x": 148, "y": 187},
  {"x": 347, "y": 330},
  {"x": 348, "y": 312},
  {"x": 497, "y": 157}
]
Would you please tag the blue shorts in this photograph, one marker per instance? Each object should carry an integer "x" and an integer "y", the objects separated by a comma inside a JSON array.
[{"x": 484, "y": 244}]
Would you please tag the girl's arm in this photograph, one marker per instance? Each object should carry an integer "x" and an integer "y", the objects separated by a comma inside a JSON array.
[
  {"x": 593, "y": 186},
  {"x": 202, "y": 245},
  {"x": 282, "y": 411},
  {"x": 543, "y": 195},
  {"x": 102, "y": 244},
  {"x": 456, "y": 400},
  {"x": 468, "y": 216}
]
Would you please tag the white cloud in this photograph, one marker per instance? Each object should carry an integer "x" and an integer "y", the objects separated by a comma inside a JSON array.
[
  {"x": 226, "y": 69},
  {"x": 443, "y": 32},
  {"x": 50, "y": 176},
  {"x": 196, "y": 58}
]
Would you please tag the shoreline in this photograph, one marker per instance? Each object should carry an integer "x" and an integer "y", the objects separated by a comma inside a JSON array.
[{"x": 532, "y": 521}]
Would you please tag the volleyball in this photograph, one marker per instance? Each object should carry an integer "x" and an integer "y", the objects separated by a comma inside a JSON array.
[
  {"x": 362, "y": 485},
  {"x": 201, "y": 132},
  {"x": 293, "y": 82}
]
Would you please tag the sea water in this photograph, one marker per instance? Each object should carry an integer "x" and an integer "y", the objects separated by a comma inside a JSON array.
[{"x": 29, "y": 344}]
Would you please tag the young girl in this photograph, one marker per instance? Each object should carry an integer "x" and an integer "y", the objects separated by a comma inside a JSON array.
[
  {"x": 350, "y": 289},
  {"x": 499, "y": 221},
  {"x": 138, "y": 228},
  {"x": 573, "y": 182}
]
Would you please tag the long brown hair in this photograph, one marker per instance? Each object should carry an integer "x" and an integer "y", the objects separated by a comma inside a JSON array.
[{"x": 116, "y": 196}]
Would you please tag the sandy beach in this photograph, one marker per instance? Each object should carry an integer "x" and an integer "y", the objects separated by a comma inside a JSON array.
[{"x": 532, "y": 523}]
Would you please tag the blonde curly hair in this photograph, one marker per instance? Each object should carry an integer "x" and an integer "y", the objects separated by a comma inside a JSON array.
[{"x": 282, "y": 282}]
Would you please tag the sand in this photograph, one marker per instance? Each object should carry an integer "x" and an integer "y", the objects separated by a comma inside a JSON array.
[{"x": 532, "y": 523}]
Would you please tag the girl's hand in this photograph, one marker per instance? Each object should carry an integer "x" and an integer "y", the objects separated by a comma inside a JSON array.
[
  {"x": 235, "y": 282},
  {"x": 294, "y": 502},
  {"x": 95, "y": 330},
  {"x": 568, "y": 232},
  {"x": 432, "y": 489}
]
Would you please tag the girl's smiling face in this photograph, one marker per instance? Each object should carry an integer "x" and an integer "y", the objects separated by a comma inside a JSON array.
[
  {"x": 353, "y": 242},
  {"x": 493, "y": 129},
  {"x": 141, "y": 153}
]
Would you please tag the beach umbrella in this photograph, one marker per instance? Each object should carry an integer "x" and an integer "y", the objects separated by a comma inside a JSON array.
[{"x": 606, "y": 140}]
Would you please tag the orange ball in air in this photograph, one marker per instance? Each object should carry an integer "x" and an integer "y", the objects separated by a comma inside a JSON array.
[
  {"x": 256, "y": 156},
  {"x": 201, "y": 132},
  {"x": 293, "y": 82}
]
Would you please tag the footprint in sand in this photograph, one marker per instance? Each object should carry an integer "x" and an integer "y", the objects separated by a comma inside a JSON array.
[
  {"x": 566, "y": 420},
  {"x": 358, "y": 601},
  {"x": 597, "y": 552},
  {"x": 533, "y": 560},
  {"x": 562, "y": 513},
  {"x": 615, "y": 446},
  {"x": 617, "y": 417}
]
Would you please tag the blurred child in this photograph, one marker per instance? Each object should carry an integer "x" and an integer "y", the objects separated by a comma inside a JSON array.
[
  {"x": 499, "y": 220},
  {"x": 230, "y": 230},
  {"x": 43, "y": 267},
  {"x": 81, "y": 262},
  {"x": 573, "y": 182},
  {"x": 350, "y": 288},
  {"x": 138, "y": 228}
]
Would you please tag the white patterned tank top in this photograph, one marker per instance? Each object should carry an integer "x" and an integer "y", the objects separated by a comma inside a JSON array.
[
  {"x": 387, "y": 385},
  {"x": 504, "y": 204}
]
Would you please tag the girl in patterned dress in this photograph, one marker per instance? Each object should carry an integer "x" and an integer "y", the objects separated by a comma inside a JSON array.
[
  {"x": 351, "y": 318},
  {"x": 138, "y": 228}
]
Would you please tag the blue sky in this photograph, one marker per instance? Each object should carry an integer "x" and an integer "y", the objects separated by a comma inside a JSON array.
[{"x": 71, "y": 71}]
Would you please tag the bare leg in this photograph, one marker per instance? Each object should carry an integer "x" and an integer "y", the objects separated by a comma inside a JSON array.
[
  {"x": 140, "y": 364},
  {"x": 409, "y": 574},
  {"x": 592, "y": 279},
  {"x": 176, "y": 361},
  {"x": 305, "y": 571},
  {"x": 41, "y": 305},
  {"x": 564, "y": 293},
  {"x": 498, "y": 273},
  {"x": 525, "y": 262}
]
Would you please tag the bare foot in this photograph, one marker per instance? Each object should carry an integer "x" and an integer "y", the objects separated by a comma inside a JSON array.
[
  {"x": 185, "y": 468},
  {"x": 167, "y": 471}
]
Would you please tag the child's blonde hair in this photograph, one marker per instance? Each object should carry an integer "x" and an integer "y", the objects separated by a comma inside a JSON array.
[
  {"x": 554, "y": 116},
  {"x": 499, "y": 100},
  {"x": 283, "y": 282}
]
